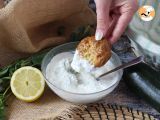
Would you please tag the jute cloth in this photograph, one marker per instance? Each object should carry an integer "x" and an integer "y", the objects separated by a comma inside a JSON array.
[
  {"x": 27, "y": 26},
  {"x": 48, "y": 107}
]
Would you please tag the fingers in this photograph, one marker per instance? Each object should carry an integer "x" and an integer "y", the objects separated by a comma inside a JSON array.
[
  {"x": 102, "y": 9},
  {"x": 126, "y": 13},
  {"x": 120, "y": 26},
  {"x": 113, "y": 21}
]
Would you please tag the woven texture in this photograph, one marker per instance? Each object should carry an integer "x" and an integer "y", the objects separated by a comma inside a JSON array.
[
  {"x": 105, "y": 112},
  {"x": 27, "y": 26},
  {"x": 48, "y": 106}
]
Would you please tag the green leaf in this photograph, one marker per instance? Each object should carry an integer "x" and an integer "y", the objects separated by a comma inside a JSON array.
[
  {"x": 25, "y": 63},
  {"x": 11, "y": 70},
  {"x": 2, "y": 108},
  {"x": 4, "y": 83},
  {"x": 4, "y": 71},
  {"x": 17, "y": 66},
  {"x": 37, "y": 58}
]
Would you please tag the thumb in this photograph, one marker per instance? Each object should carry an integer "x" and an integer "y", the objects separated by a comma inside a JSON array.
[{"x": 102, "y": 10}]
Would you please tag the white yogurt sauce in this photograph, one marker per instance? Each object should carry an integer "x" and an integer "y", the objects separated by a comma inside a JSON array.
[
  {"x": 60, "y": 73},
  {"x": 80, "y": 64}
]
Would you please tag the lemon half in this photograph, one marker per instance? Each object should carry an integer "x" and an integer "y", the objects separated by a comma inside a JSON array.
[{"x": 27, "y": 83}]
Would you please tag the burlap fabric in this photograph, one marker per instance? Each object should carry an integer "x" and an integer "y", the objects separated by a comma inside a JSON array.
[
  {"x": 27, "y": 26},
  {"x": 48, "y": 107}
]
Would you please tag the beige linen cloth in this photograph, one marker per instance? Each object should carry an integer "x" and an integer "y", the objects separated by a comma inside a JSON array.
[{"x": 27, "y": 26}]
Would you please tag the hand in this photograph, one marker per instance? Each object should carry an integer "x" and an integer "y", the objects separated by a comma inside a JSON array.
[{"x": 113, "y": 16}]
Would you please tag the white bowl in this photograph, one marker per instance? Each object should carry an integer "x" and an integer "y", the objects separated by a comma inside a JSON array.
[{"x": 72, "y": 96}]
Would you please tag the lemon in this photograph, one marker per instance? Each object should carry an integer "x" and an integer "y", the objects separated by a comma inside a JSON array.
[{"x": 27, "y": 83}]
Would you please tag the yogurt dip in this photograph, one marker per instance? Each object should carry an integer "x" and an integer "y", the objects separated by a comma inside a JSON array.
[
  {"x": 80, "y": 64},
  {"x": 60, "y": 73}
]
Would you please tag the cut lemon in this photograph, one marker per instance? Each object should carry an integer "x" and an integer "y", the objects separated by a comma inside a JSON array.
[{"x": 27, "y": 83}]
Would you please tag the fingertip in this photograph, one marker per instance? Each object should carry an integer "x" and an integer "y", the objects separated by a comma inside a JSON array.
[
  {"x": 102, "y": 24},
  {"x": 99, "y": 35},
  {"x": 113, "y": 40}
]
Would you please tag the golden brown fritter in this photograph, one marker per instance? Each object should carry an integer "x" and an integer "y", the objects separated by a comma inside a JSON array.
[{"x": 96, "y": 52}]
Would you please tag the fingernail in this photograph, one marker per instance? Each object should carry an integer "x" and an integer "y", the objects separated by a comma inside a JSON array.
[{"x": 99, "y": 35}]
